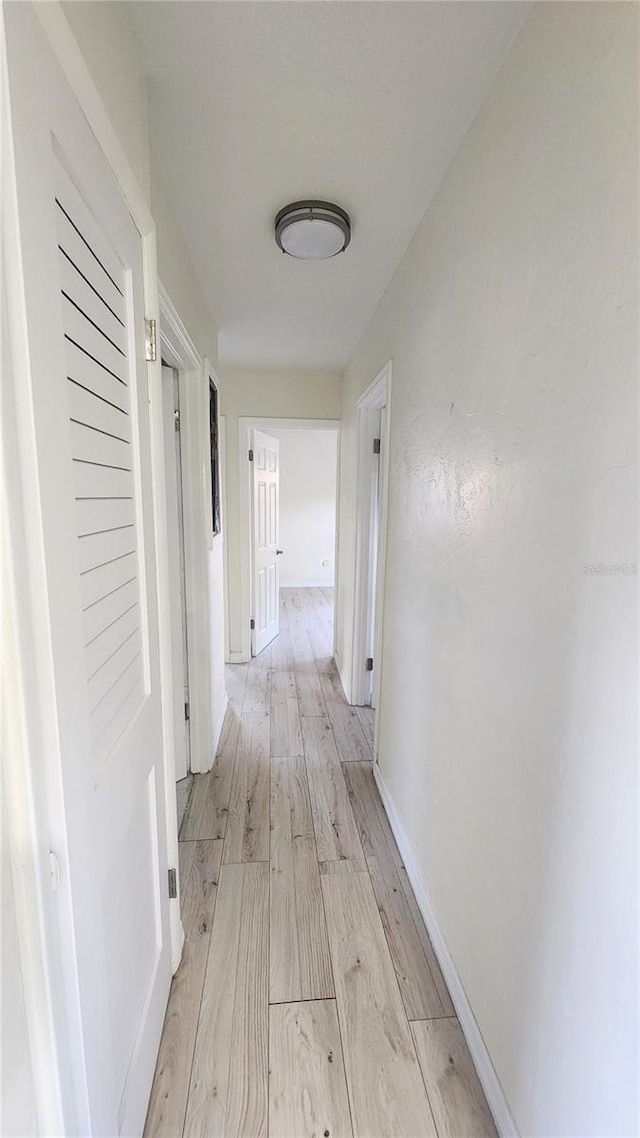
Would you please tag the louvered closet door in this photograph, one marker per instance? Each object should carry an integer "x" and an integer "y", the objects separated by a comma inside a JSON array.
[
  {"x": 104, "y": 454},
  {"x": 82, "y": 262}
]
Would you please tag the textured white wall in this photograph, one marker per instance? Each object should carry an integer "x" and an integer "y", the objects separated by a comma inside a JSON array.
[
  {"x": 308, "y": 461},
  {"x": 109, "y": 45},
  {"x": 508, "y": 716}
]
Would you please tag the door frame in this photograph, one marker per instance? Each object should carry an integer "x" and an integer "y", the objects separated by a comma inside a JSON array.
[
  {"x": 179, "y": 351},
  {"x": 38, "y": 823},
  {"x": 371, "y": 402},
  {"x": 31, "y": 789},
  {"x": 175, "y": 523},
  {"x": 246, "y": 423}
]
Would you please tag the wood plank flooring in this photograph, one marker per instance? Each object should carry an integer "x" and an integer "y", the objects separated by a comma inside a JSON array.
[
  {"x": 307, "y": 1087},
  {"x": 309, "y": 1002},
  {"x": 299, "y": 950}
]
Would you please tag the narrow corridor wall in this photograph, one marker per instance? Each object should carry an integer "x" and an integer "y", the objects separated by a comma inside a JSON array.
[{"x": 508, "y": 715}]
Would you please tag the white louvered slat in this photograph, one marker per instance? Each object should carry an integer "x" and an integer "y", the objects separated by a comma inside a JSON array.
[
  {"x": 97, "y": 515},
  {"x": 83, "y": 369},
  {"x": 91, "y": 254},
  {"x": 103, "y": 743},
  {"x": 95, "y": 446},
  {"x": 93, "y": 481},
  {"x": 103, "y": 548},
  {"x": 96, "y": 583},
  {"x": 103, "y": 680},
  {"x": 82, "y": 332},
  {"x": 94, "y": 411},
  {"x": 78, "y": 290},
  {"x": 103, "y": 646},
  {"x": 109, "y": 705},
  {"x": 103, "y": 612}
]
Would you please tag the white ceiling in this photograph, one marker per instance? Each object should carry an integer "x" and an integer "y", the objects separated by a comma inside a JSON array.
[{"x": 256, "y": 104}]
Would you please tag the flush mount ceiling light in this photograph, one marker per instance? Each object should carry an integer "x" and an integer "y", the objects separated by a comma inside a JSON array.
[{"x": 312, "y": 230}]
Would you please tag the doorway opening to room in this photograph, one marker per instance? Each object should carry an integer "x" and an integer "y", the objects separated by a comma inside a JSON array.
[
  {"x": 176, "y": 548},
  {"x": 293, "y": 479},
  {"x": 191, "y": 513},
  {"x": 289, "y": 482},
  {"x": 371, "y": 542}
]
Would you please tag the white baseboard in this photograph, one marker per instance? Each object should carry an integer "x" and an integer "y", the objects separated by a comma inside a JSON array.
[
  {"x": 236, "y": 658},
  {"x": 338, "y": 663},
  {"x": 482, "y": 1060},
  {"x": 217, "y": 729},
  {"x": 176, "y": 949}
]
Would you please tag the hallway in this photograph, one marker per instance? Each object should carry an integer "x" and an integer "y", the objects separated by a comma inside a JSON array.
[
  {"x": 308, "y": 1001},
  {"x": 302, "y": 297}
]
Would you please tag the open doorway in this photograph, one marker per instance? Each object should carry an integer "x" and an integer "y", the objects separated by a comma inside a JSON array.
[
  {"x": 291, "y": 511},
  {"x": 177, "y": 576},
  {"x": 194, "y": 596},
  {"x": 375, "y": 554},
  {"x": 373, "y": 451},
  {"x": 294, "y": 488},
  {"x": 294, "y": 681}
]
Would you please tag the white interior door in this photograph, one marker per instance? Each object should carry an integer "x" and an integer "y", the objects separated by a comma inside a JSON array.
[
  {"x": 372, "y": 580},
  {"x": 266, "y": 518},
  {"x": 175, "y": 537},
  {"x": 89, "y": 442},
  {"x": 376, "y": 556}
]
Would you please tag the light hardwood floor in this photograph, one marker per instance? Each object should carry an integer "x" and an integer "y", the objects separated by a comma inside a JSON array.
[{"x": 309, "y": 1002}]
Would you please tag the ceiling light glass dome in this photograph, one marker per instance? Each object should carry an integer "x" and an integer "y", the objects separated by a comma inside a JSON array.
[{"x": 312, "y": 230}]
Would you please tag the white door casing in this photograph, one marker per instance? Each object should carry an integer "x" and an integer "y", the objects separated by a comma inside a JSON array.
[
  {"x": 170, "y": 408},
  {"x": 180, "y": 353},
  {"x": 183, "y": 671},
  {"x": 373, "y": 599},
  {"x": 246, "y": 426},
  {"x": 84, "y": 333},
  {"x": 265, "y": 514},
  {"x": 371, "y": 541}
]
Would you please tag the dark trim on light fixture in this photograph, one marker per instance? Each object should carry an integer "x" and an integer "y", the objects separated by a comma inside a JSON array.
[{"x": 312, "y": 210}]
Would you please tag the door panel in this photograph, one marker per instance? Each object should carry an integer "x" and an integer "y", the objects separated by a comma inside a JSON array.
[
  {"x": 175, "y": 537},
  {"x": 374, "y": 551},
  {"x": 378, "y": 553},
  {"x": 82, "y": 265},
  {"x": 266, "y": 505}
]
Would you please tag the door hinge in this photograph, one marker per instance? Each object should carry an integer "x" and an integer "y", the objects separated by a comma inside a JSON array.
[
  {"x": 253, "y": 624},
  {"x": 369, "y": 663},
  {"x": 251, "y": 456},
  {"x": 150, "y": 347},
  {"x": 187, "y": 713},
  {"x": 376, "y": 446},
  {"x": 176, "y": 420},
  {"x": 173, "y": 884}
]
